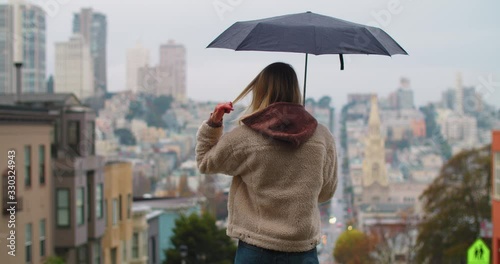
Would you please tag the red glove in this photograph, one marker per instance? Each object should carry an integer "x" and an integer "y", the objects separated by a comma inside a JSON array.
[{"x": 220, "y": 110}]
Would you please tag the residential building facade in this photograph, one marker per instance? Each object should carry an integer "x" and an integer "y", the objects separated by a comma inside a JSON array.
[
  {"x": 25, "y": 139},
  {"x": 139, "y": 253},
  {"x": 118, "y": 200}
]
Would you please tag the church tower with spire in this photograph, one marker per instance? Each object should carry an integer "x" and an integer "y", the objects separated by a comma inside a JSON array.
[{"x": 375, "y": 180}]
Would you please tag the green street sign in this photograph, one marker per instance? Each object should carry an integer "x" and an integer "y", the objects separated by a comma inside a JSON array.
[{"x": 478, "y": 253}]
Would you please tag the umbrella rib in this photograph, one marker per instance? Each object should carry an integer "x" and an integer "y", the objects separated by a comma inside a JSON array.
[
  {"x": 246, "y": 37},
  {"x": 381, "y": 45}
]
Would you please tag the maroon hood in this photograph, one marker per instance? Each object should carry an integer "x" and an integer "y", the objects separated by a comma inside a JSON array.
[{"x": 283, "y": 121}]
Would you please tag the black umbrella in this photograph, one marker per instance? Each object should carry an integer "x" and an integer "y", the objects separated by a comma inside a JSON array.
[{"x": 307, "y": 33}]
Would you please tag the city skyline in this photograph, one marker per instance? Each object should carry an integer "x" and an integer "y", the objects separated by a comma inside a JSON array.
[{"x": 431, "y": 65}]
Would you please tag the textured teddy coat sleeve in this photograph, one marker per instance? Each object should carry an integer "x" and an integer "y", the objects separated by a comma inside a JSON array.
[
  {"x": 215, "y": 151},
  {"x": 329, "y": 174}
]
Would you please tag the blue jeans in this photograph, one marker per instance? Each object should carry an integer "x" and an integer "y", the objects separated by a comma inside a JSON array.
[{"x": 250, "y": 254}]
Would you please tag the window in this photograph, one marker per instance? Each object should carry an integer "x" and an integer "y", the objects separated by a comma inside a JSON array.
[
  {"x": 129, "y": 205},
  {"x": 153, "y": 249},
  {"x": 120, "y": 207},
  {"x": 97, "y": 252},
  {"x": 497, "y": 175},
  {"x": 113, "y": 256},
  {"x": 82, "y": 254},
  {"x": 90, "y": 137},
  {"x": 42, "y": 237},
  {"x": 62, "y": 207},
  {"x": 144, "y": 243},
  {"x": 135, "y": 245},
  {"x": 27, "y": 166},
  {"x": 80, "y": 206},
  {"x": 73, "y": 135},
  {"x": 99, "y": 201},
  {"x": 87, "y": 208},
  {"x": 27, "y": 243},
  {"x": 124, "y": 251},
  {"x": 41, "y": 163},
  {"x": 54, "y": 142},
  {"x": 115, "y": 211}
]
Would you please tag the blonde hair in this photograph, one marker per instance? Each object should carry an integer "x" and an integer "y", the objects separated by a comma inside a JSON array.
[{"x": 275, "y": 83}]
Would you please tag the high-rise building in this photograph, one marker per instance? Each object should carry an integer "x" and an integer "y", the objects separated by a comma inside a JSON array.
[
  {"x": 93, "y": 27},
  {"x": 173, "y": 70},
  {"x": 137, "y": 57},
  {"x": 405, "y": 95},
  {"x": 472, "y": 101},
  {"x": 33, "y": 38},
  {"x": 50, "y": 84},
  {"x": 402, "y": 98},
  {"x": 73, "y": 70}
]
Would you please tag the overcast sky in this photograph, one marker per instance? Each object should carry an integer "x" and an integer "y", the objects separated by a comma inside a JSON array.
[{"x": 442, "y": 37}]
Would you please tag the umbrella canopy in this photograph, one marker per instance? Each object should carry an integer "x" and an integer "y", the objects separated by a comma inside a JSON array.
[{"x": 307, "y": 33}]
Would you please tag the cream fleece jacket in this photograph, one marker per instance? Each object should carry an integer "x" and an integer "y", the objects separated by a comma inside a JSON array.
[{"x": 276, "y": 186}]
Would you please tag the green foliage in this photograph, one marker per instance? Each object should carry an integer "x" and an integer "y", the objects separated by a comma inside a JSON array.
[
  {"x": 126, "y": 137},
  {"x": 352, "y": 247},
  {"x": 454, "y": 205},
  {"x": 54, "y": 260},
  {"x": 135, "y": 110},
  {"x": 430, "y": 114},
  {"x": 202, "y": 237},
  {"x": 433, "y": 131},
  {"x": 150, "y": 109},
  {"x": 325, "y": 102}
]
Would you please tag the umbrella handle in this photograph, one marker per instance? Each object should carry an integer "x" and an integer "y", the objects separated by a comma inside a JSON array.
[{"x": 341, "y": 62}]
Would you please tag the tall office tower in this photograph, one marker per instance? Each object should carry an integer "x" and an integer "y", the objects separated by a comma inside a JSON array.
[
  {"x": 33, "y": 38},
  {"x": 173, "y": 70},
  {"x": 73, "y": 70},
  {"x": 93, "y": 27},
  {"x": 137, "y": 57},
  {"x": 405, "y": 95}
]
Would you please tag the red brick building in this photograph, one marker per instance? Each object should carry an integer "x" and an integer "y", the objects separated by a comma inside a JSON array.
[{"x": 495, "y": 214}]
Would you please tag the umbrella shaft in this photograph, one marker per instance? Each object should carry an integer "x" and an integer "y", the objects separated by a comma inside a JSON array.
[{"x": 305, "y": 83}]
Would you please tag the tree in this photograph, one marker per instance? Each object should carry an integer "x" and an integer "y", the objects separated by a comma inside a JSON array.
[
  {"x": 352, "y": 247},
  {"x": 430, "y": 114},
  {"x": 454, "y": 206},
  {"x": 202, "y": 238},
  {"x": 325, "y": 101},
  {"x": 134, "y": 110},
  {"x": 126, "y": 137}
]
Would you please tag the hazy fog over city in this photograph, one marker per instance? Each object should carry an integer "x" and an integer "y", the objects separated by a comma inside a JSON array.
[
  {"x": 118, "y": 144},
  {"x": 441, "y": 37}
]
